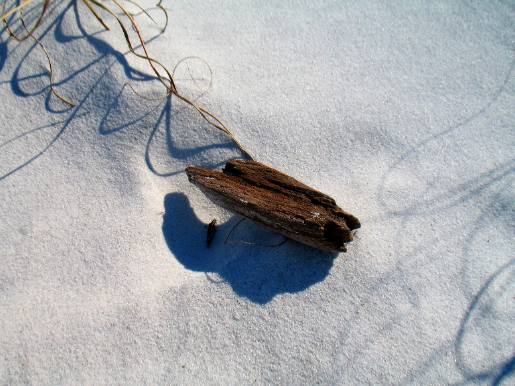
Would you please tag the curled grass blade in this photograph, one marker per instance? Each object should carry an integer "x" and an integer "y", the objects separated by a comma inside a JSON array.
[
  {"x": 50, "y": 68},
  {"x": 30, "y": 30},
  {"x": 95, "y": 14},
  {"x": 14, "y": 10},
  {"x": 162, "y": 74}
]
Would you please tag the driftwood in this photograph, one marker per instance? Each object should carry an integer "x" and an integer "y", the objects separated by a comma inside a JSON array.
[{"x": 278, "y": 202}]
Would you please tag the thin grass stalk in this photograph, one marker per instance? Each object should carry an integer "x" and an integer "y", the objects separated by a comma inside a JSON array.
[{"x": 167, "y": 80}]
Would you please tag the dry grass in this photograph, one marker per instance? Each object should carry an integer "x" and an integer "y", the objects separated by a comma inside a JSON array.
[{"x": 106, "y": 12}]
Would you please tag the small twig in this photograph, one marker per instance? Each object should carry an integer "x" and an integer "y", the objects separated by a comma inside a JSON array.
[{"x": 211, "y": 231}]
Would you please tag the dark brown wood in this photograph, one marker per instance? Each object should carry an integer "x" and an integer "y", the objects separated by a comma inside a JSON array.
[
  {"x": 211, "y": 230},
  {"x": 279, "y": 202}
]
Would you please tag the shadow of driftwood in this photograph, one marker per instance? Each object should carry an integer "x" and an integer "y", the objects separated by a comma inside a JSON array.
[{"x": 256, "y": 273}]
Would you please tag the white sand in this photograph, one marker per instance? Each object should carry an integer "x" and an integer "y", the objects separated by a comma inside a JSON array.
[{"x": 404, "y": 112}]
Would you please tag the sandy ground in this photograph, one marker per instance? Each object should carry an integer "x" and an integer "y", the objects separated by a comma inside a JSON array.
[{"x": 402, "y": 111}]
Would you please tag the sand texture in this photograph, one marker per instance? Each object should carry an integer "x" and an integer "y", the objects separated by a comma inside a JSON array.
[{"x": 402, "y": 111}]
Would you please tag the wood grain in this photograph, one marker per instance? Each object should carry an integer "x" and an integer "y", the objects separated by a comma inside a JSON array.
[{"x": 278, "y": 202}]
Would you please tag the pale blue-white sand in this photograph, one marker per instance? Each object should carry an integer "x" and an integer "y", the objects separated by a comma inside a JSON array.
[{"x": 403, "y": 111}]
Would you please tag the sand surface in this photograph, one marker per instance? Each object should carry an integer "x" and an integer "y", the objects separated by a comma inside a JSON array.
[{"x": 403, "y": 111}]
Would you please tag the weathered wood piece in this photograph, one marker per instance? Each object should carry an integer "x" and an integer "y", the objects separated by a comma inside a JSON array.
[{"x": 277, "y": 201}]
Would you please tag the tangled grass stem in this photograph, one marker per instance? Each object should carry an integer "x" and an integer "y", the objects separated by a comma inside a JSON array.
[{"x": 114, "y": 8}]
